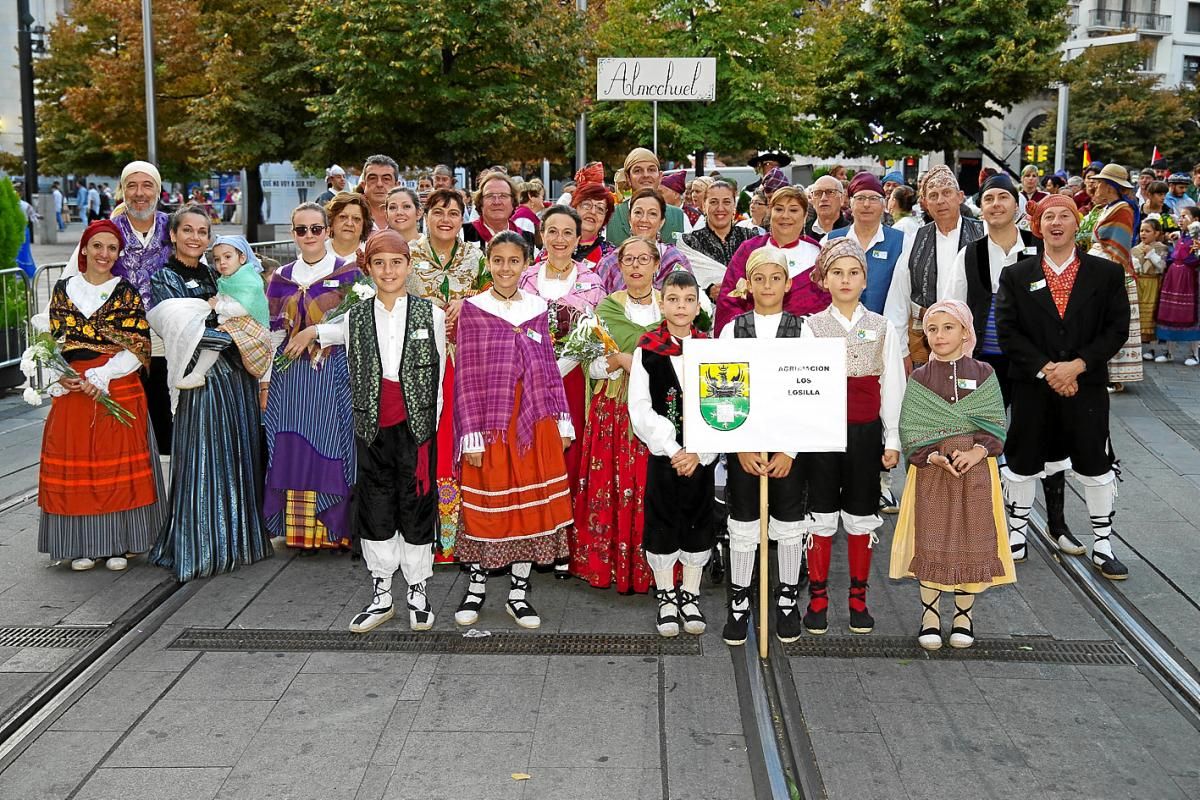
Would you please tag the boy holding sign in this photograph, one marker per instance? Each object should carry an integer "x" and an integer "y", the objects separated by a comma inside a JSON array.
[
  {"x": 846, "y": 484},
  {"x": 679, "y": 484},
  {"x": 767, "y": 282}
]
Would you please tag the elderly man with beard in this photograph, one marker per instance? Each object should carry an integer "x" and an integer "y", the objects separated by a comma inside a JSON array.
[
  {"x": 642, "y": 170},
  {"x": 1060, "y": 317},
  {"x": 930, "y": 270}
]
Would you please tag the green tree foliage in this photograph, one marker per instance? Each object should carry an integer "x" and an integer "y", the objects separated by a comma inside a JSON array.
[
  {"x": 91, "y": 87},
  {"x": 757, "y": 52},
  {"x": 462, "y": 80},
  {"x": 912, "y": 75},
  {"x": 1123, "y": 113},
  {"x": 12, "y": 224}
]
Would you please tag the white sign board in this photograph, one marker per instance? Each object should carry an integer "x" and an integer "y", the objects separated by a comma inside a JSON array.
[
  {"x": 665, "y": 79},
  {"x": 756, "y": 395}
]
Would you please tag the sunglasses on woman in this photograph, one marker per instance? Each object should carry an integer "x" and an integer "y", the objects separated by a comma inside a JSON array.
[{"x": 302, "y": 230}]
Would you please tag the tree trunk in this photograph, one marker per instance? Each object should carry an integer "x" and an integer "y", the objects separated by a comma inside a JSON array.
[{"x": 252, "y": 200}]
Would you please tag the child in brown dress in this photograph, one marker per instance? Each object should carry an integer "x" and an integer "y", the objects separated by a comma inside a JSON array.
[{"x": 952, "y": 535}]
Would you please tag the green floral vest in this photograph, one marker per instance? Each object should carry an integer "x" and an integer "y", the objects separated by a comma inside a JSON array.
[{"x": 418, "y": 370}]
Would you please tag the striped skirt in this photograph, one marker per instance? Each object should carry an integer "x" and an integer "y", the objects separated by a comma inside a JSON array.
[{"x": 516, "y": 506}]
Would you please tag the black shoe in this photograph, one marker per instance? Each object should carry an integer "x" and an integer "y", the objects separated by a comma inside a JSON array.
[
  {"x": 518, "y": 607},
  {"x": 667, "y": 621},
  {"x": 788, "y": 627},
  {"x": 690, "y": 613},
  {"x": 962, "y": 636},
  {"x": 1110, "y": 566},
  {"x": 562, "y": 570},
  {"x": 860, "y": 621},
  {"x": 887, "y": 502},
  {"x": 737, "y": 624},
  {"x": 716, "y": 566},
  {"x": 817, "y": 622}
]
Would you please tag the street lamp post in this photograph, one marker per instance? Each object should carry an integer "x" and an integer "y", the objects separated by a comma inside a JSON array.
[
  {"x": 28, "y": 119},
  {"x": 581, "y": 123},
  {"x": 148, "y": 67}
]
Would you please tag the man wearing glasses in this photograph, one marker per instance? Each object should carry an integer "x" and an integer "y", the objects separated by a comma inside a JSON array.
[
  {"x": 825, "y": 207},
  {"x": 642, "y": 170}
]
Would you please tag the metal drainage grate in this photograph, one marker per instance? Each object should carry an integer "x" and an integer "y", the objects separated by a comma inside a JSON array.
[
  {"x": 1033, "y": 650},
  {"x": 442, "y": 642},
  {"x": 49, "y": 637}
]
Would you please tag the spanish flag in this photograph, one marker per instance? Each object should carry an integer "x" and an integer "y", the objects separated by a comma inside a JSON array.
[{"x": 1087, "y": 157}]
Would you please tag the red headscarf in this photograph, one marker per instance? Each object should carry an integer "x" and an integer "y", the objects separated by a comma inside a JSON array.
[
  {"x": 99, "y": 226},
  {"x": 1035, "y": 210},
  {"x": 384, "y": 241},
  {"x": 592, "y": 173}
]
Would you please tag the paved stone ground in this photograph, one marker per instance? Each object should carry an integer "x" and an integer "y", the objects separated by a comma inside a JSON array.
[{"x": 378, "y": 725}]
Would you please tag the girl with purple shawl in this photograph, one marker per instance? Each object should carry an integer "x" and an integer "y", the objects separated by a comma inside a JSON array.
[
  {"x": 310, "y": 430},
  {"x": 648, "y": 212},
  {"x": 511, "y": 426}
]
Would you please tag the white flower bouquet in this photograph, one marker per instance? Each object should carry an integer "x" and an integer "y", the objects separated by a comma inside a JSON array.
[{"x": 45, "y": 352}]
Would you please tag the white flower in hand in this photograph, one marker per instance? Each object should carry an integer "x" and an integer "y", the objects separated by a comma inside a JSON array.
[
  {"x": 29, "y": 367},
  {"x": 364, "y": 291},
  {"x": 31, "y": 396}
]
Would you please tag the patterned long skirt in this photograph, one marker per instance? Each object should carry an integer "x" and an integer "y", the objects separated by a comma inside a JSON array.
[
  {"x": 606, "y": 541},
  {"x": 449, "y": 499},
  {"x": 1126, "y": 365}
]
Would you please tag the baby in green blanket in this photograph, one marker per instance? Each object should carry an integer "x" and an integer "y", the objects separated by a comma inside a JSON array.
[{"x": 240, "y": 299}]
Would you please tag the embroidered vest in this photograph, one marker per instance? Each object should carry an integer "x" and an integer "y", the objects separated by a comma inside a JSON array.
[
  {"x": 418, "y": 370},
  {"x": 881, "y": 263},
  {"x": 864, "y": 360},
  {"x": 789, "y": 326},
  {"x": 666, "y": 395},
  {"x": 922, "y": 262}
]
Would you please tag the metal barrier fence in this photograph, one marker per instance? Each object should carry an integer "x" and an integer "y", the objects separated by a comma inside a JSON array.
[{"x": 22, "y": 297}]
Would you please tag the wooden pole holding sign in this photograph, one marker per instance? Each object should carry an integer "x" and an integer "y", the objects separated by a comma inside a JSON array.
[
  {"x": 655, "y": 104},
  {"x": 764, "y": 566}
]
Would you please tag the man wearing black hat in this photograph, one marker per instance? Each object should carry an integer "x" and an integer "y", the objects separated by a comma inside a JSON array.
[{"x": 764, "y": 162}]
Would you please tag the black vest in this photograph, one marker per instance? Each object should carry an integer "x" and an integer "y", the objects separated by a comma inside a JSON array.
[
  {"x": 666, "y": 395},
  {"x": 979, "y": 278},
  {"x": 419, "y": 364},
  {"x": 922, "y": 261},
  {"x": 789, "y": 326}
]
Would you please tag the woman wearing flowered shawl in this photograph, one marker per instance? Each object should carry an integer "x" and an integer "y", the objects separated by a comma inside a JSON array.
[
  {"x": 606, "y": 547},
  {"x": 310, "y": 429},
  {"x": 952, "y": 535},
  {"x": 511, "y": 426},
  {"x": 1112, "y": 238}
]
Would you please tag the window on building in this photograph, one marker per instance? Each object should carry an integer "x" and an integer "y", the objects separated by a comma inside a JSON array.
[
  {"x": 1191, "y": 69},
  {"x": 1193, "y": 18}
]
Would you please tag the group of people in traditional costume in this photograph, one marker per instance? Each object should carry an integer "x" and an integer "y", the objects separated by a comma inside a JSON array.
[{"x": 408, "y": 395}]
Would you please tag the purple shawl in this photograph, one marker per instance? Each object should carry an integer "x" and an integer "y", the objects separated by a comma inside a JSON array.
[
  {"x": 137, "y": 263},
  {"x": 492, "y": 357},
  {"x": 670, "y": 259}
]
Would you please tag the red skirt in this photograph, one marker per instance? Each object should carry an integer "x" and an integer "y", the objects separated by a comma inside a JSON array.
[
  {"x": 515, "y": 506},
  {"x": 606, "y": 543},
  {"x": 91, "y": 463},
  {"x": 575, "y": 385}
]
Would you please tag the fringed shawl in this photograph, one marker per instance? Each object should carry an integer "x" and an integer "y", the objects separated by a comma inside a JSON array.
[
  {"x": 294, "y": 308},
  {"x": 625, "y": 332},
  {"x": 926, "y": 418},
  {"x": 493, "y": 355}
]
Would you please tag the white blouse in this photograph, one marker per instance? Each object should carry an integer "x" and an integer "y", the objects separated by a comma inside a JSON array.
[
  {"x": 656, "y": 431},
  {"x": 87, "y": 298}
]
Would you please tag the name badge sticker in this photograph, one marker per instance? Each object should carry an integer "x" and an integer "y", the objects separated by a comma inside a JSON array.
[
  {"x": 879, "y": 254},
  {"x": 966, "y": 383},
  {"x": 1030, "y": 251},
  {"x": 865, "y": 335},
  {"x": 532, "y": 334},
  {"x": 192, "y": 285},
  {"x": 1033, "y": 287},
  {"x": 331, "y": 283},
  {"x": 421, "y": 333}
]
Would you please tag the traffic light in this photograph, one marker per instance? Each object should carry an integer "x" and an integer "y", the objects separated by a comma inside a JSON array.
[
  {"x": 1043, "y": 153},
  {"x": 1029, "y": 153}
]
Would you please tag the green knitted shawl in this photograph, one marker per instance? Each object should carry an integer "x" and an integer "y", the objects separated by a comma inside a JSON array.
[{"x": 926, "y": 418}]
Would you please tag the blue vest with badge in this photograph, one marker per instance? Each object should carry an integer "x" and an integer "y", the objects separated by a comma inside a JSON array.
[{"x": 881, "y": 263}]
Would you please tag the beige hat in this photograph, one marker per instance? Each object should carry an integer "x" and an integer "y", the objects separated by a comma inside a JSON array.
[
  {"x": 1116, "y": 175},
  {"x": 639, "y": 154}
]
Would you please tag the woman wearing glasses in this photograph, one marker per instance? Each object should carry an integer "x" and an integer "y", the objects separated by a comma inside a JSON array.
[
  {"x": 310, "y": 432},
  {"x": 647, "y": 213},
  {"x": 595, "y": 206},
  {"x": 606, "y": 544}
]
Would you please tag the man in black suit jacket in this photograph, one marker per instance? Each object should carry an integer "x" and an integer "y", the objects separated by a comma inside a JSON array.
[{"x": 1060, "y": 317}]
